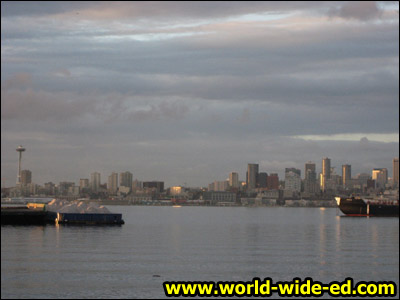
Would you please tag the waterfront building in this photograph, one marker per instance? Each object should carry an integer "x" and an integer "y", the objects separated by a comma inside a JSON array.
[
  {"x": 215, "y": 197},
  {"x": 252, "y": 175},
  {"x": 175, "y": 190}
]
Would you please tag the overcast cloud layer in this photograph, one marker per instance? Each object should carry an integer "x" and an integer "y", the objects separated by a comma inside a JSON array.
[{"x": 186, "y": 92}]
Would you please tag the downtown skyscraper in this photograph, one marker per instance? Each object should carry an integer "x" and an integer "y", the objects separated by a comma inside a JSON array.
[
  {"x": 252, "y": 176},
  {"x": 346, "y": 176},
  {"x": 326, "y": 173}
]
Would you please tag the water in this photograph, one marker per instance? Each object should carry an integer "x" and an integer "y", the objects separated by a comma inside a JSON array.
[{"x": 195, "y": 243}]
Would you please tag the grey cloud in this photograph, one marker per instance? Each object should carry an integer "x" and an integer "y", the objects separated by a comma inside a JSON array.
[
  {"x": 17, "y": 81},
  {"x": 28, "y": 8},
  {"x": 185, "y": 107},
  {"x": 150, "y": 9},
  {"x": 360, "y": 10},
  {"x": 29, "y": 104}
]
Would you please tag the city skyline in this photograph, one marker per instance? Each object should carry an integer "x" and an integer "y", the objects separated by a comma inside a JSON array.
[
  {"x": 187, "y": 92},
  {"x": 251, "y": 178}
]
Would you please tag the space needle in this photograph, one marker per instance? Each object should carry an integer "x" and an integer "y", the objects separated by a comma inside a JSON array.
[{"x": 20, "y": 149}]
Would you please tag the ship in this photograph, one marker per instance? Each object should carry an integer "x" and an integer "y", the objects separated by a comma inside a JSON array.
[{"x": 368, "y": 207}]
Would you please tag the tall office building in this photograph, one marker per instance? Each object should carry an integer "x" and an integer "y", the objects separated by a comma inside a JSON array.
[
  {"x": 380, "y": 176},
  {"x": 310, "y": 179},
  {"x": 310, "y": 174},
  {"x": 292, "y": 180},
  {"x": 396, "y": 172},
  {"x": 26, "y": 177},
  {"x": 326, "y": 173},
  {"x": 234, "y": 180},
  {"x": 262, "y": 180},
  {"x": 273, "y": 181},
  {"x": 252, "y": 175},
  {"x": 83, "y": 183},
  {"x": 95, "y": 181},
  {"x": 346, "y": 175},
  {"x": 126, "y": 179},
  {"x": 113, "y": 183}
]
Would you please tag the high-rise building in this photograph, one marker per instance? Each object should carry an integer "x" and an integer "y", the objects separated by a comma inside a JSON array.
[
  {"x": 380, "y": 176},
  {"x": 273, "y": 181},
  {"x": 252, "y": 175},
  {"x": 346, "y": 175},
  {"x": 113, "y": 183},
  {"x": 95, "y": 181},
  {"x": 326, "y": 173},
  {"x": 310, "y": 179},
  {"x": 310, "y": 171},
  {"x": 234, "y": 180},
  {"x": 396, "y": 172},
  {"x": 83, "y": 183},
  {"x": 262, "y": 180},
  {"x": 26, "y": 177},
  {"x": 294, "y": 170},
  {"x": 126, "y": 179},
  {"x": 292, "y": 180}
]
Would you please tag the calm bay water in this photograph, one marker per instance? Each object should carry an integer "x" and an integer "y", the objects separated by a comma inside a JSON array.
[{"x": 195, "y": 243}]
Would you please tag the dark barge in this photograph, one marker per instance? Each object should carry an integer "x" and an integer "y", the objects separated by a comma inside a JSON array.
[
  {"x": 359, "y": 207},
  {"x": 22, "y": 216},
  {"x": 39, "y": 216},
  {"x": 85, "y": 218}
]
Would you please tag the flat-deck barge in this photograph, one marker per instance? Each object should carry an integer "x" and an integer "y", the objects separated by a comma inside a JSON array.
[
  {"x": 32, "y": 215},
  {"x": 22, "y": 216}
]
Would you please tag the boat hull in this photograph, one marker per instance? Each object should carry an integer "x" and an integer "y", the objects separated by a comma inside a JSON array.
[
  {"x": 22, "y": 216},
  {"x": 359, "y": 207}
]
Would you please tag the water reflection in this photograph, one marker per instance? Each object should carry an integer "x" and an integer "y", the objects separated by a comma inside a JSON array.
[{"x": 195, "y": 244}]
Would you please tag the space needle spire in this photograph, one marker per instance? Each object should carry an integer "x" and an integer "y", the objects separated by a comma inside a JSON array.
[{"x": 20, "y": 149}]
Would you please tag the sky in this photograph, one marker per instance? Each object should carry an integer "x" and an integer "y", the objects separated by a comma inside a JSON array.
[{"x": 187, "y": 92}]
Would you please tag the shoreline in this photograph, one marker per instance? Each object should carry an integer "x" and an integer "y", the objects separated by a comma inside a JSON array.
[{"x": 255, "y": 203}]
